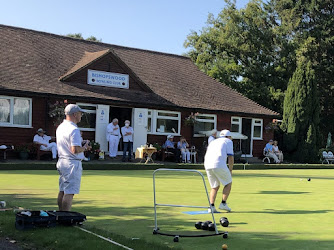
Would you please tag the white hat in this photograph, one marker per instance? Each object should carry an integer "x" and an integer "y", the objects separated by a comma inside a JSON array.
[
  {"x": 170, "y": 136},
  {"x": 225, "y": 133},
  {"x": 40, "y": 130},
  {"x": 214, "y": 131},
  {"x": 71, "y": 109}
]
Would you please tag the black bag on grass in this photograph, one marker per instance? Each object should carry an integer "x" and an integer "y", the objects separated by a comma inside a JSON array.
[
  {"x": 24, "y": 221},
  {"x": 68, "y": 218}
]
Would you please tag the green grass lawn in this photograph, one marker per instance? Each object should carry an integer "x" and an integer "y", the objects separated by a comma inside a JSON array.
[{"x": 272, "y": 209}]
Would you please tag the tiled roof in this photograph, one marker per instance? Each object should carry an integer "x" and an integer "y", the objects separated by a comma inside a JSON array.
[
  {"x": 34, "y": 61},
  {"x": 87, "y": 59}
]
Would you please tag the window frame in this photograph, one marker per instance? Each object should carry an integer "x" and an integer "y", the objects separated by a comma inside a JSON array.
[
  {"x": 154, "y": 118},
  {"x": 236, "y": 123},
  {"x": 254, "y": 120},
  {"x": 11, "y": 113},
  {"x": 207, "y": 121},
  {"x": 88, "y": 111}
]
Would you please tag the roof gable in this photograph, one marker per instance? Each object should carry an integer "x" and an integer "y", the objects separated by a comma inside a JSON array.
[{"x": 106, "y": 61}]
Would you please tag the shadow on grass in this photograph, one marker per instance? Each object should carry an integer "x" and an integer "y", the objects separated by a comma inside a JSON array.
[
  {"x": 274, "y": 211},
  {"x": 278, "y": 175},
  {"x": 138, "y": 222},
  {"x": 282, "y": 192},
  {"x": 97, "y": 222}
]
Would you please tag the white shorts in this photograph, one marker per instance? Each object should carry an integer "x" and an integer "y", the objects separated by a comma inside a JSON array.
[
  {"x": 70, "y": 172},
  {"x": 219, "y": 175}
]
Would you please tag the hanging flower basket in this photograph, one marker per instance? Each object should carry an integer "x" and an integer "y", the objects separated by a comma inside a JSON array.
[
  {"x": 191, "y": 119},
  {"x": 56, "y": 111}
]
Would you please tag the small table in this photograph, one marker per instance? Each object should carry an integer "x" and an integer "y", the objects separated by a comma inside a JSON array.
[
  {"x": 149, "y": 151},
  {"x": 4, "y": 152}
]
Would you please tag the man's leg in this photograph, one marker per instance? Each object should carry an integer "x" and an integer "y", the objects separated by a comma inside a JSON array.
[
  {"x": 54, "y": 150},
  {"x": 67, "y": 202},
  {"x": 130, "y": 145},
  {"x": 272, "y": 155},
  {"x": 115, "y": 145},
  {"x": 125, "y": 148},
  {"x": 60, "y": 200},
  {"x": 110, "y": 146},
  {"x": 226, "y": 191},
  {"x": 213, "y": 194},
  {"x": 188, "y": 156}
]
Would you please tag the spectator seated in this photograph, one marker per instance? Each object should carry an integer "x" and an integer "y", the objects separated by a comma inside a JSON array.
[
  {"x": 327, "y": 157},
  {"x": 44, "y": 144},
  {"x": 169, "y": 149},
  {"x": 267, "y": 157}
]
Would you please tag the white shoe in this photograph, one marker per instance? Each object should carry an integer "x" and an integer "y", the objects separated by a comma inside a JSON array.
[
  {"x": 223, "y": 206},
  {"x": 214, "y": 210}
]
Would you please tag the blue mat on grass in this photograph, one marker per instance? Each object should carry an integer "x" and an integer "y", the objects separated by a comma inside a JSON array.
[{"x": 198, "y": 212}]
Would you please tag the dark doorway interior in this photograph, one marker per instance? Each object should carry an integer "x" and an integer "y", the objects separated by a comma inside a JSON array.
[
  {"x": 246, "y": 130},
  {"x": 121, "y": 114}
]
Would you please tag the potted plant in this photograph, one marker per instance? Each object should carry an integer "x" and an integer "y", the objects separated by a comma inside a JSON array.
[
  {"x": 23, "y": 150},
  {"x": 93, "y": 153},
  {"x": 158, "y": 153}
]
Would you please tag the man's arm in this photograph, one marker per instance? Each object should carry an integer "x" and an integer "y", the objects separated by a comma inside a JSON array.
[
  {"x": 230, "y": 159},
  {"x": 36, "y": 141},
  {"x": 79, "y": 149}
]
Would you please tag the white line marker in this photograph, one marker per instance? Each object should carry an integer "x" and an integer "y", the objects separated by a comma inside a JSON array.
[{"x": 104, "y": 238}]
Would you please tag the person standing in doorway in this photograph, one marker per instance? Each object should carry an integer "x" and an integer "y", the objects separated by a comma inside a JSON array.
[
  {"x": 220, "y": 150},
  {"x": 70, "y": 153},
  {"x": 127, "y": 133},
  {"x": 113, "y": 136}
]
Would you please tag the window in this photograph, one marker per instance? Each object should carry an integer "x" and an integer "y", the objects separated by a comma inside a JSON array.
[
  {"x": 88, "y": 119},
  {"x": 15, "y": 111},
  {"x": 149, "y": 121},
  {"x": 236, "y": 124},
  {"x": 257, "y": 128},
  {"x": 205, "y": 123},
  {"x": 161, "y": 122}
]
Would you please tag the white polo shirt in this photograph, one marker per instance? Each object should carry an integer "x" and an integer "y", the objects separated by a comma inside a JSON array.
[
  {"x": 127, "y": 138},
  {"x": 42, "y": 139},
  {"x": 111, "y": 132},
  {"x": 217, "y": 152},
  {"x": 68, "y": 135}
]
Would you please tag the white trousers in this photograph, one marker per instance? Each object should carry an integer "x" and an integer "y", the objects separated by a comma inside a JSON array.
[
  {"x": 185, "y": 155},
  {"x": 279, "y": 155},
  {"x": 113, "y": 145},
  {"x": 272, "y": 155},
  {"x": 51, "y": 147}
]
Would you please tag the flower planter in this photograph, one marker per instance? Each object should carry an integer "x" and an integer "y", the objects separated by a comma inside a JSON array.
[
  {"x": 23, "y": 155},
  {"x": 92, "y": 156}
]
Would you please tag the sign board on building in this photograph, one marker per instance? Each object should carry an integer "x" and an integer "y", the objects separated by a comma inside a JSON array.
[{"x": 108, "y": 79}]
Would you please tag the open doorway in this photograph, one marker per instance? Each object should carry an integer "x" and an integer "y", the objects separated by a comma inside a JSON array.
[
  {"x": 121, "y": 114},
  {"x": 246, "y": 129}
]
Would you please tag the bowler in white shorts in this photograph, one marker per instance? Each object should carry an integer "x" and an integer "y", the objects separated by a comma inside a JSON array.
[
  {"x": 218, "y": 152},
  {"x": 69, "y": 143}
]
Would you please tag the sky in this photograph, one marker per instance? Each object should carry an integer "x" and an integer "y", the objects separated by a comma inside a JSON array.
[{"x": 159, "y": 25}]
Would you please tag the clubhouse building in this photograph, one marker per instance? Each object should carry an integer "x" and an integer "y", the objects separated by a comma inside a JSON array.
[{"x": 156, "y": 91}]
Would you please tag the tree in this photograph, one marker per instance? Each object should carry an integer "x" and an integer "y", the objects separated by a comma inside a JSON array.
[
  {"x": 241, "y": 48},
  {"x": 301, "y": 20},
  {"x": 301, "y": 110},
  {"x": 79, "y": 36}
]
